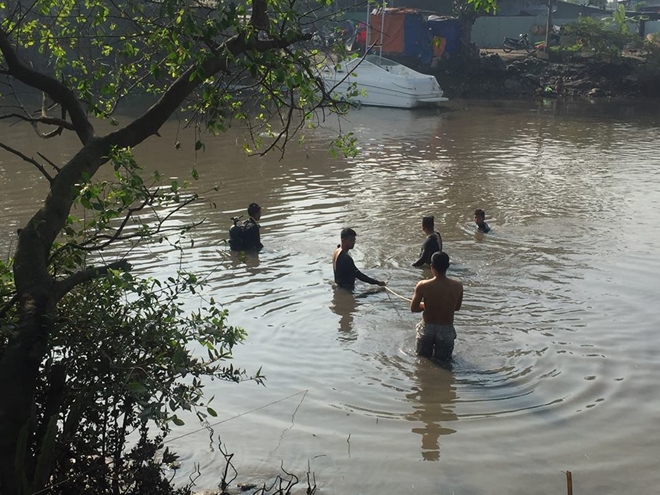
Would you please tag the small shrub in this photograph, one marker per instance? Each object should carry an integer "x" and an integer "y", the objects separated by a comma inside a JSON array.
[
  {"x": 594, "y": 35},
  {"x": 125, "y": 358}
]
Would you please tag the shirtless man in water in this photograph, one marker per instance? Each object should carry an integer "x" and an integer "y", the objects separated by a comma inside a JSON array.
[{"x": 437, "y": 299}]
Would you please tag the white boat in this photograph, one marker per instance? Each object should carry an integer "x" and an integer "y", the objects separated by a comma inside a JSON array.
[{"x": 377, "y": 81}]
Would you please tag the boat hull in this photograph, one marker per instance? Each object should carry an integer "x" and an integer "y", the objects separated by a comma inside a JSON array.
[{"x": 381, "y": 83}]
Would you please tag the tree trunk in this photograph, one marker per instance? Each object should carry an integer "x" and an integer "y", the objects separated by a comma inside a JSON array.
[
  {"x": 19, "y": 370},
  {"x": 37, "y": 297},
  {"x": 467, "y": 51},
  {"x": 548, "y": 28}
]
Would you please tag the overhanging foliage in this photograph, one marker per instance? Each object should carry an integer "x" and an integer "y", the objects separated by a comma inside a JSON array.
[{"x": 69, "y": 390}]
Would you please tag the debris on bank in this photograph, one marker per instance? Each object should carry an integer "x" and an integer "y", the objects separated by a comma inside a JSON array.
[{"x": 492, "y": 77}]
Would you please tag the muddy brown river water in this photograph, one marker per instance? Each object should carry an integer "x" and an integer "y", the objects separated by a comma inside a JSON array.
[{"x": 557, "y": 358}]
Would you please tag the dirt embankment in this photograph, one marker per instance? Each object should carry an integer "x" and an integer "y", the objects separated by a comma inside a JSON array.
[{"x": 494, "y": 76}]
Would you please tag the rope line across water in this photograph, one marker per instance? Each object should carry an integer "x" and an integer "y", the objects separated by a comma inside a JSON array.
[{"x": 397, "y": 295}]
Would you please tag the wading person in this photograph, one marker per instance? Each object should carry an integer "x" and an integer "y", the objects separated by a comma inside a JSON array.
[
  {"x": 432, "y": 244},
  {"x": 252, "y": 237},
  {"x": 480, "y": 220},
  {"x": 246, "y": 237},
  {"x": 343, "y": 265},
  {"x": 437, "y": 299}
]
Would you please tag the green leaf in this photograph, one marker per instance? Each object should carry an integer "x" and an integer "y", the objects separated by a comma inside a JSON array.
[
  {"x": 136, "y": 387},
  {"x": 212, "y": 412}
]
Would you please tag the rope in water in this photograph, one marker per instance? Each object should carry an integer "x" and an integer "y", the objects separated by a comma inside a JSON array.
[{"x": 397, "y": 295}]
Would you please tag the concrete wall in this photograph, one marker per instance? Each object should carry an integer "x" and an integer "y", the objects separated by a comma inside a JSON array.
[
  {"x": 488, "y": 32},
  {"x": 651, "y": 27}
]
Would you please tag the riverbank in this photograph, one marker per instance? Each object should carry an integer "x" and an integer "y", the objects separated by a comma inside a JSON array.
[{"x": 526, "y": 76}]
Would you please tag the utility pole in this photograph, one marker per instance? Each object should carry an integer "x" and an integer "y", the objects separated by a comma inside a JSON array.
[{"x": 548, "y": 28}]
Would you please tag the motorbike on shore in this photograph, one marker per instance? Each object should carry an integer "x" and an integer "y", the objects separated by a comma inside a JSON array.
[{"x": 520, "y": 43}]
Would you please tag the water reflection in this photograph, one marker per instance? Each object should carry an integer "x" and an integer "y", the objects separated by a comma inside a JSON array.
[
  {"x": 247, "y": 259},
  {"x": 345, "y": 306},
  {"x": 433, "y": 399}
]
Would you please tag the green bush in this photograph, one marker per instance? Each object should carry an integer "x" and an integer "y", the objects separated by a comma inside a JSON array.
[
  {"x": 595, "y": 36},
  {"x": 651, "y": 50},
  {"x": 134, "y": 357},
  {"x": 124, "y": 359}
]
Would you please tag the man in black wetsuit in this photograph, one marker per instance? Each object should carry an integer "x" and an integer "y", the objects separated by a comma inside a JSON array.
[
  {"x": 343, "y": 265},
  {"x": 432, "y": 244},
  {"x": 252, "y": 238},
  {"x": 480, "y": 220}
]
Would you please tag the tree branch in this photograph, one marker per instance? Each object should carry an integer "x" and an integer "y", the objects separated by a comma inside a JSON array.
[
  {"x": 41, "y": 120},
  {"x": 62, "y": 120},
  {"x": 57, "y": 169},
  {"x": 55, "y": 89},
  {"x": 150, "y": 122},
  {"x": 117, "y": 234},
  {"x": 94, "y": 244},
  {"x": 39, "y": 166},
  {"x": 63, "y": 287},
  {"x": 259, "y": 17}
]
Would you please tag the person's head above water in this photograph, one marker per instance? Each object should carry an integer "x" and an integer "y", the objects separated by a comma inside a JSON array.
[
  {"x": 254, "y": 210},
  {"x": 347, "y": 238},
  {"x": 347, "y": 232},
  {"x": 440, "y": 262},
  {"x": 428, "y": 223},
  {"x": 480, "y": 221}
]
